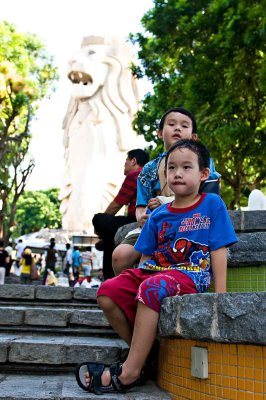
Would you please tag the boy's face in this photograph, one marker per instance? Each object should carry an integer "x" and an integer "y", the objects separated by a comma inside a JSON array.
[
  {"x": 183, "y": 173},
  {"x": 176, "y": 126}
]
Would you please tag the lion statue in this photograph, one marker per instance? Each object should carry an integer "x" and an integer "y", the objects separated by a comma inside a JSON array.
[{"x": 98, "y": 129}]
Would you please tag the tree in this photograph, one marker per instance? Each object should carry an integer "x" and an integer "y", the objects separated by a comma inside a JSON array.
[
  {"x": 37, "y": 210},
  {"x": 26, "y": 76},
  {"x": 209, "y": 56}
]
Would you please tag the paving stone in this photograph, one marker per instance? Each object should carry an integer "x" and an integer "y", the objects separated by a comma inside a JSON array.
[
  {"x": 3, "y": 351},
  {"x": 37, "y": 350},
  {"x": 89, "y": 317},
  {"x": 54, "y": 293},
  {"x": 48, "y": 317},
  {"x": 12, "y": 316},
  {"x": 64, "y": 387},
  {"x": 60, "y": 350},
  {"x": 13, "y": 291},
  {"x": 95, "y": 349},
  {"x": 249, "y": 250},
  {"x": 82, "y": 293}
]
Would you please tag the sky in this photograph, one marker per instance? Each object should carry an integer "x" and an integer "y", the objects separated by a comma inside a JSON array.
[{"x": 61, "y": 25}]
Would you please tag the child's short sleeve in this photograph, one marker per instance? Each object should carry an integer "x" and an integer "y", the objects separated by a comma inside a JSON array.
[{"x": 222, "y": 233}]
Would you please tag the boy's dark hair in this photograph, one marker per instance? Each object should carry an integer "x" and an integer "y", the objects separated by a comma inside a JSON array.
[
  {"x": 197, "y": 147},
  {"x": 180, "y": 110},
  {"x": 140, "y": 155}
]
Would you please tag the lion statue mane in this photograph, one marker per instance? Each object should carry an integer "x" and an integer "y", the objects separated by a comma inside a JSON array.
[{"x": 98, "y": 129}]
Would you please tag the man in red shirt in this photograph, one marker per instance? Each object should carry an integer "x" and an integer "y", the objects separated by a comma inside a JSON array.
[{"x": 106, "y": 224}]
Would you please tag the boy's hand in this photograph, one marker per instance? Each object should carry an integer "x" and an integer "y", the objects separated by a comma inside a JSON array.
[
  {"x": 141, "y": 215},
  {"x": 143, "y": 219},
  {"x": 153, "y": 203}
]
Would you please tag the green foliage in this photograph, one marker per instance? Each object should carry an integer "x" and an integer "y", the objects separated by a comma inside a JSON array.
[
  {"x": 37, "y": 210},
  {"x": 209, "y": 56},
  {"x": 27, "y": 75}
]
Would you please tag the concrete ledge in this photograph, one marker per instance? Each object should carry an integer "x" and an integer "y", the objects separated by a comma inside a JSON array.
[
  {"x": 227, "y": 317},
  {"x": 248, "y": 221},
  {"x": 249, "y": 251}
]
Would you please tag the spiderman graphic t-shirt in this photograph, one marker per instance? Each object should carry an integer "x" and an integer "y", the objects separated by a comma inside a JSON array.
[{"x": 183, "y": 238}]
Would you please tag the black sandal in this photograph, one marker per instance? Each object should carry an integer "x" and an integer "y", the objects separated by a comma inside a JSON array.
[{"x": 96, "y": 370}]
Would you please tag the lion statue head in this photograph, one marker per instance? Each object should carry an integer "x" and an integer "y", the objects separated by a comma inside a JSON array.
[{"x": 97, "y": 128}]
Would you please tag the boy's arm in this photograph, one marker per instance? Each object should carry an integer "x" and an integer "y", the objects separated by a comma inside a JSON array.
[
  {"x": 219, "y": 268},
  {"x": 144, "y": 258},
  {"x": 141, "y": 215}
]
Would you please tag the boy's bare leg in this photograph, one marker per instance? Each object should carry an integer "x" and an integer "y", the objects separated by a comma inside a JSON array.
[
  {"x": 144, "y": 333},
  {"x": 116, "y": 317},
  {"x": 145, "y": 329},
  {"x": 124, "y": 256}
]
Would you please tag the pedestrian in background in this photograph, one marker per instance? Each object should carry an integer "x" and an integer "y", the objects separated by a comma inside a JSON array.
[
  {"x": 87, "y": 262},
  {"x": 50, "y": 260},
  {"x": 4, "y": 258},
  {"x": 26, "y": 262}
]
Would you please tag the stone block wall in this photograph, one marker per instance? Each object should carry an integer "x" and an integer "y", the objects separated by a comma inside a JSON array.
[{"x": 232, "y": 328}]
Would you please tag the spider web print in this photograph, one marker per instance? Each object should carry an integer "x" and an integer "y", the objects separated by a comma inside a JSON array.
[{"x": 153, "y": 290}]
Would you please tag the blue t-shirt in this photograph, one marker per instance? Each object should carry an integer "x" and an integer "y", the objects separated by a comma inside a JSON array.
[
  {"x": 76, "y": 258},
  {"x": 183, "y": 238},
  {"x": 148, "y": 185}
]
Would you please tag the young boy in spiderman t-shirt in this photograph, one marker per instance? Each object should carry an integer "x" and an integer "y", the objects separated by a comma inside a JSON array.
[{"x": 183, "y": 244}]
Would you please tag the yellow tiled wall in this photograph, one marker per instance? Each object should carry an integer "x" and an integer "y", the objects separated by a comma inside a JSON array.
[{"x": 235, "y": 371}]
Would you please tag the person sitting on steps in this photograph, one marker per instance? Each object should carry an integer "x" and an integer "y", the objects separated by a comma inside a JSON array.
[
  {"x": 176, "y": 124},
  {"x": 107, "y": 223},
  {"x": 183, "y": 247}
]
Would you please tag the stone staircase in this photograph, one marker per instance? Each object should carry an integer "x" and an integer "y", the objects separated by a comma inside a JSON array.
[{"x": 45, "y": 332}]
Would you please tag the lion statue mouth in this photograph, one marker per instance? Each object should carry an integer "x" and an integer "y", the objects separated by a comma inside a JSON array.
[{"x": 78, "y": 77}]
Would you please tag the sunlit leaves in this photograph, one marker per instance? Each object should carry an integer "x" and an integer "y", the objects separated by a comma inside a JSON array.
[{"x": 209, "y": 56}]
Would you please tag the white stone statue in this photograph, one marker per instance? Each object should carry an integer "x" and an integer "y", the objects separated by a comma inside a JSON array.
[
  {"x": 256, "y": 200},
  {"x": 97, "y": 129}
]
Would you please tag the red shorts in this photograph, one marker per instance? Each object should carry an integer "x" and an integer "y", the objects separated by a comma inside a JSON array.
[{"x": 149, "y": 287}]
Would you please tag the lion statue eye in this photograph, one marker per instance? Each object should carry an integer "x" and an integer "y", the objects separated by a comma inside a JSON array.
[{"x": 91, "y": 52}]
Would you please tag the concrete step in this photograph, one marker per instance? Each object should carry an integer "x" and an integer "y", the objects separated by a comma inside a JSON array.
[
  {"x": 60, "y": 352},
  {"x": 48, "y": 294},
  {"x": 76, "y": 331},
  {"x": 64, "y": 387},
  {"x": 49, "y": 304},
  {"x": 60, "y": 317}
]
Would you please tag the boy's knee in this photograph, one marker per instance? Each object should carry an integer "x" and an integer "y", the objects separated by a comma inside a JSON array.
[
  {"x": 105, "y": 303},
  {"x": 124, "y": 257},
  {"x": 117, "y": 258}
]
